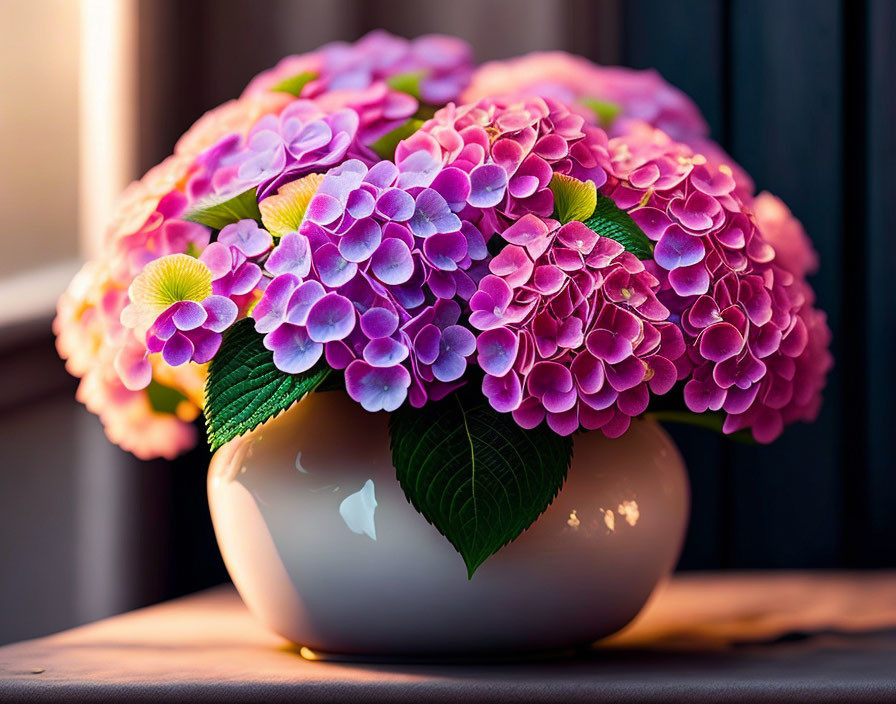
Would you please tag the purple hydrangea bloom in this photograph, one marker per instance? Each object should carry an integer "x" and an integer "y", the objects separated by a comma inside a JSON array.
[
  {"x": 371, "y": 276},
  {"x": 302, "y": 139},
  {"x": 377, "y": 388},
  {"x": 190, "y": 331},
  {"x": 442, "y": 63}
]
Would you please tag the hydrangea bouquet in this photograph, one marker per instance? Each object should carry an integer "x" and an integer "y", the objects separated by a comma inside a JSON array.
[{"x": 499, "y": 257}]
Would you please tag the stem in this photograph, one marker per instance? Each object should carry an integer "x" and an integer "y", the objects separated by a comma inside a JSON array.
[{"x": 709, "y": 421}]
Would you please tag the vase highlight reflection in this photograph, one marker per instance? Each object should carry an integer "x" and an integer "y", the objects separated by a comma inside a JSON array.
[{"x": 324, "y": 547}]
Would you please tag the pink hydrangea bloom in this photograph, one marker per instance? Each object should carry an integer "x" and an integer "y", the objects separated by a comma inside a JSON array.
[
  {"x": 638, "y": 95},
  {"x": 112, "y": 363},
  {"x": 627, "y": 99},
  {"x": 743, "y": 315},
  {"x": 511, "y": 149},
  {"x": 91, "y": 339},
  {"x": 793, "y": 248},
  {"x": 572, "y": 330}
]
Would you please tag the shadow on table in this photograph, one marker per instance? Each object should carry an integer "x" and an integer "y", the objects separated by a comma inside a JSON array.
[{"x": 687, "y": 655}]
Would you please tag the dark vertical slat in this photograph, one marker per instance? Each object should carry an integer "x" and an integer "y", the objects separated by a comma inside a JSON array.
[
  {"x": 196, "y": 55},
  {"x": 881, "y": 257},
  {"x": 684, "y": 41},
  {"x": 496, "y": 29},
  {"x": 854, "y": 263},
  {"x": 593, "y": 30},
  {"x": 786, "y": 130},
  {"x": 690, "y": 55}
]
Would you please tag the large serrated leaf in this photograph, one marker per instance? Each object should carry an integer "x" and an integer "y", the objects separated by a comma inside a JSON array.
[
  {"x": 611, "y": 221},
  {"x": 244, "y": 388},
  {"x": 218, "y": 213},
  {"x": 475, "y": 474}
]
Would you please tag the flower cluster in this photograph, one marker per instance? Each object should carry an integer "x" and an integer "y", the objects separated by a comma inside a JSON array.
[
  {"x": 118, "y": 377},
  {"x": 743, "y": 314},
  {"x": 440, "y": 64},
  {"x": 382, "y": 78},
  {"x": 278, "y": 149},
  {"x": 621, "y": 100},
  {"x": 476, "y": 246},
  {"x": 610, "y": 95},
  {"x": 367, "y": 279},
  {"x": 572, "y": 330},
  {"x": 511, "y": 149}
]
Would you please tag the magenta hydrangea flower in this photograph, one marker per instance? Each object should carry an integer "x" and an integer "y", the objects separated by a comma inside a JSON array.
[
  {"x": 382, "y": 270},
  {"x": 792, "y": 388},
  {"x": 572, "y": 330},
  {"x": 510, "y": 149},
  {"x": 441, "y": 64},
  {"x": 368, "y": 280},
  {"x": 744, "y": 315},
  {"x": 621, "y": 100}
]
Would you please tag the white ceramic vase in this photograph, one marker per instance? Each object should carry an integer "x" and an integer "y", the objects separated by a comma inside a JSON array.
[{"x": 324, "y": 547}]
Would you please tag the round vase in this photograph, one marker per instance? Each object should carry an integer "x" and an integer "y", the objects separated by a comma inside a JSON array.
[{"x": 323, "y": 546}]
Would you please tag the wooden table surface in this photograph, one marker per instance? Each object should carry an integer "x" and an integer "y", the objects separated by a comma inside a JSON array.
[{"x": 811, "y": 636}]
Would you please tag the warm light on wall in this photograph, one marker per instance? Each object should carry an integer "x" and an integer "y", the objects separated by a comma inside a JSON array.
[
  {"x": 107, "y": 111},
  {"x": 39, "y": 146}
]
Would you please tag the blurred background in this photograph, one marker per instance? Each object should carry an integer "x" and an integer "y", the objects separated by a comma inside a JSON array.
[{"x": 94, "y": 92}]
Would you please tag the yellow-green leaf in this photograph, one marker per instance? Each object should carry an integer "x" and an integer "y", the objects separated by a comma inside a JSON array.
[
  {"x": 294, "y": 84},
  {"x": 605, "y": 111},
  {"x": 573, "y": 199},
  {"x": 406, "y": 83}
]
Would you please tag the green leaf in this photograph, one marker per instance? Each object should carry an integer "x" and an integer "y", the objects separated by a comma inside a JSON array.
[
  {"x": 406, "y": 83},
  {"x": 294, "y": 84},
  {"x": 217, "y": 212},
  {"x": 473, "y": 473},
  {"x": 385, "y": 145},
  {"x": 573, "y": 199},
  {"x": 610, "y": 221},
  {"x": 605, "y": 111},
  {"x": 164, "y": 399},
  {"x": 244, "y": 388},
  {"x": 425, "y": 112}
]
